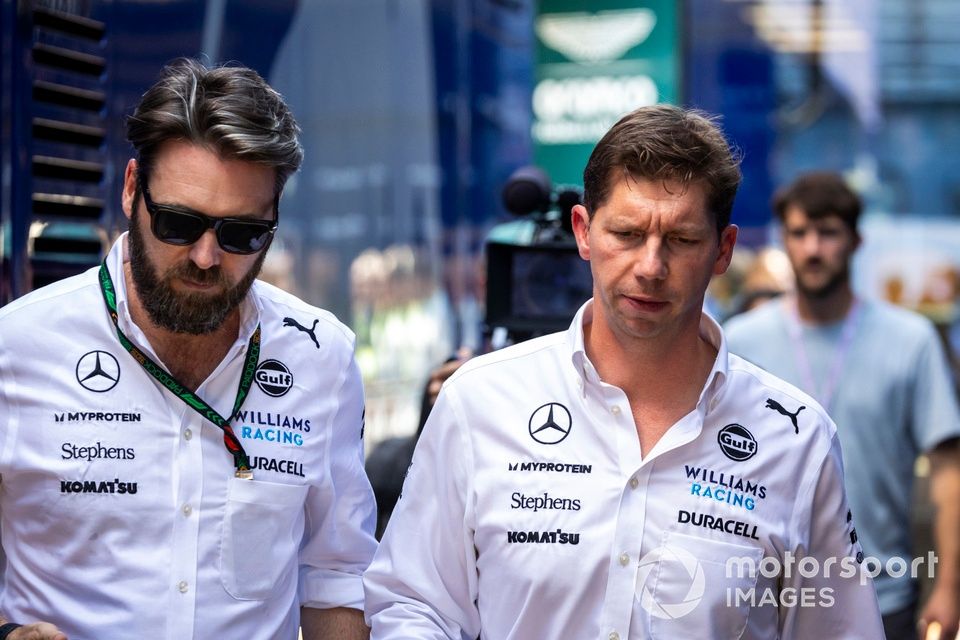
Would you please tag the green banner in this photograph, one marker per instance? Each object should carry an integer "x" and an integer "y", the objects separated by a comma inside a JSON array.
[{"x": 596, "y": 61}]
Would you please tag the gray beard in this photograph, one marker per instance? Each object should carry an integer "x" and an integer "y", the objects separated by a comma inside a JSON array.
[{"x": 195, "y": 314}]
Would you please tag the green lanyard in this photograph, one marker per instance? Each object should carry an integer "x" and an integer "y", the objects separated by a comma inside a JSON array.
[{"x": 230, "y": 440}]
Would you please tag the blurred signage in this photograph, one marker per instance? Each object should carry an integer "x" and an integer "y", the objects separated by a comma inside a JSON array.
[{"x": 597, "y": 61}]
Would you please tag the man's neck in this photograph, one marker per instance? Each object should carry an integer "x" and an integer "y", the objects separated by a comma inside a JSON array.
[
  {"x": 190, "y": 358},
  {"x": 662, "y": 376},
  {"x": 825, "y": 309}
]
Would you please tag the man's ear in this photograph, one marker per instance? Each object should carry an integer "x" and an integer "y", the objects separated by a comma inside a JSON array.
[
  {"x": 129, "y": 187},
  {"x": 728, "y": 240},
  {"x": 580, "y": 220}
]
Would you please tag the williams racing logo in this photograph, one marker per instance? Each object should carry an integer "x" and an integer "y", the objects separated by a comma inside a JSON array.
[
  {"x": 550, "y": 423},
  {"x": 98, "y": 371},
  {"x": 274, "y": 378},
  {"x": 737, "y": 443}
]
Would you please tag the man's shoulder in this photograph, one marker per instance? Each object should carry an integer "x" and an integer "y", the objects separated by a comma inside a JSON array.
[
  {"x": 763, "y": 318},
  {"x": 747, "y": 380},
  {"x": 516, "y": 360},
  {"x": 56, "y": 300},
  {"x": 891, "y": 318},
  {"x": 280, "y": 306}
]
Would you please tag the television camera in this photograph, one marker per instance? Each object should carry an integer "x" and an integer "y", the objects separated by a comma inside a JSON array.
[{"x": 536, "y": 279}]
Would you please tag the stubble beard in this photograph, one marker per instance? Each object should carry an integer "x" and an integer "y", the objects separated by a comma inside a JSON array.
[
  {"x": 191, "y": 313},
  {"x": 828, "y": 288}
]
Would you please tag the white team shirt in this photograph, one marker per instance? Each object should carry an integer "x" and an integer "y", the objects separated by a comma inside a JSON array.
[
  {"x": 529, "y": 513},
  {"x": 120, "y": 513}
]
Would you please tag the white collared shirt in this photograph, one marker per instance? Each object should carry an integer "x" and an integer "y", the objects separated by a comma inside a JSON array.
[
  {"x": 528, "y": 511},
  {"x": 120, "y": 513}
]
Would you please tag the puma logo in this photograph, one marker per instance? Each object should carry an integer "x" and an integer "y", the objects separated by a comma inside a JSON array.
[
  {"x": 776, "y": 406},
  {"x": 290, "y": 322}
]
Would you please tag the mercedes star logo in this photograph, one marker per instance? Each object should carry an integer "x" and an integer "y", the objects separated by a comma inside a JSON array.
[
  {"x": 98, "y": 371},
  {"x": 550, "y": 423}
]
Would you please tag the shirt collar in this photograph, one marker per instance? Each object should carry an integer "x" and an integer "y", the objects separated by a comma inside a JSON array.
[
  {"x": 709, "y": 330},
  {"x": 250, "y": 308}
]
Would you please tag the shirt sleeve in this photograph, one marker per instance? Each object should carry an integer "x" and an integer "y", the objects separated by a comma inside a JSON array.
[
  {"x": 340, "y": 515},
  {"x": 935, "y": 416},
  {"x": 423, "y": 580},
  {"x": 832, "y": 592}
]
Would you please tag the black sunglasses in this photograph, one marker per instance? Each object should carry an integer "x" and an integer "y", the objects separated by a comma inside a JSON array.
[{"x": 178, "y": 226}]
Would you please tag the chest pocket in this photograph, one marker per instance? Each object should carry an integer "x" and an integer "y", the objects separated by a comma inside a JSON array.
[
  {"x": 685, "y": 588},
  {"x": 262, "y": 529}
]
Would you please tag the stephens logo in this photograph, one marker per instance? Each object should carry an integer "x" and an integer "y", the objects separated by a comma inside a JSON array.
[
  {"x": 737, "y": 443},
  {"x": 550, "y": 423},
  {"x": 98, "y": 371},
  {"x": 95, "y": 452},
  {"x": 543, "y": 502},
  {"x": 274, "y": 378}
]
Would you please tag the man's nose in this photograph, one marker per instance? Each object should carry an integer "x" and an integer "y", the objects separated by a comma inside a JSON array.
[
  {"x": 650, "y": 262},
  {"x": 206, "y": 252}
]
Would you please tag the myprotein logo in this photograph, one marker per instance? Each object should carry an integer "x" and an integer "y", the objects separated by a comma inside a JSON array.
[
  {"x": 550, "y": 467},
  {"x": 98, "y": 371},
  {"x": 737, "y": 443},
  {"x": 96, "y": 416},
  {"x": 274, "y": 378}
]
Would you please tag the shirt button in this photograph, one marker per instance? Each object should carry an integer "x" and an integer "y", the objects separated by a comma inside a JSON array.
[
  {"x": 614, "y": 635},
  {"x": 187, "y": 510},
  {"x": 624, "y": 559},
  {"x": 187, "y": 434},
  {"x": 634, "y": 483},
  {"x": 615, "y": 410},
  {"x": 182, "y": 586}
]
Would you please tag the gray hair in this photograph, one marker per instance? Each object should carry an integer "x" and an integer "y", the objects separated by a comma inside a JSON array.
[
  {"x": 665, "y": 142},
  {"x": 229, "y": 109}
]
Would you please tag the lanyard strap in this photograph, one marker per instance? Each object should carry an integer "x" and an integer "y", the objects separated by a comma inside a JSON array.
[
  {"x": 825, "y": 394},
  {"x": 230, "y": 440}
]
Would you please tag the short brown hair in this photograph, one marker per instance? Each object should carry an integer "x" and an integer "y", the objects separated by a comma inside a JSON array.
[
  {"x": 229, "y": 109},
  {"x": 819, "y": 194},
  {"x": 668, "y": 143}
]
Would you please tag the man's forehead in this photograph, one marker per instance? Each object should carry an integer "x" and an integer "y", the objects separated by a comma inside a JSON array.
[{"x": 796, "y": 216}]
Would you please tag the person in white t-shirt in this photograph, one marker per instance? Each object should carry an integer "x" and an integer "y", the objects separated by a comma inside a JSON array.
[
  {"x": 626, "y": 478},
  {"x": 181, "y": 449}
]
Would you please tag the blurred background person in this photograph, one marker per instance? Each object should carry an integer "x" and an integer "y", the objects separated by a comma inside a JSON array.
[{"x": 881, "y": 373}]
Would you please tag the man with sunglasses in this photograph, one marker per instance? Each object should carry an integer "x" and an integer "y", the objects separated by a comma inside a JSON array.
[{"x": 181, "y": 448}]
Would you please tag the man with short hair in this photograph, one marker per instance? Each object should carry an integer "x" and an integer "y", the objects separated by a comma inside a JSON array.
[
  {"x": 181, "y": 444},
  {"x": 881, "y": 373},
  {"x": 624, "y": 479}
]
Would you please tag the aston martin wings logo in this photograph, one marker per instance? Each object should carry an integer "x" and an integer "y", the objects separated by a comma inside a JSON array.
[{"x": 595, "y": 37}]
